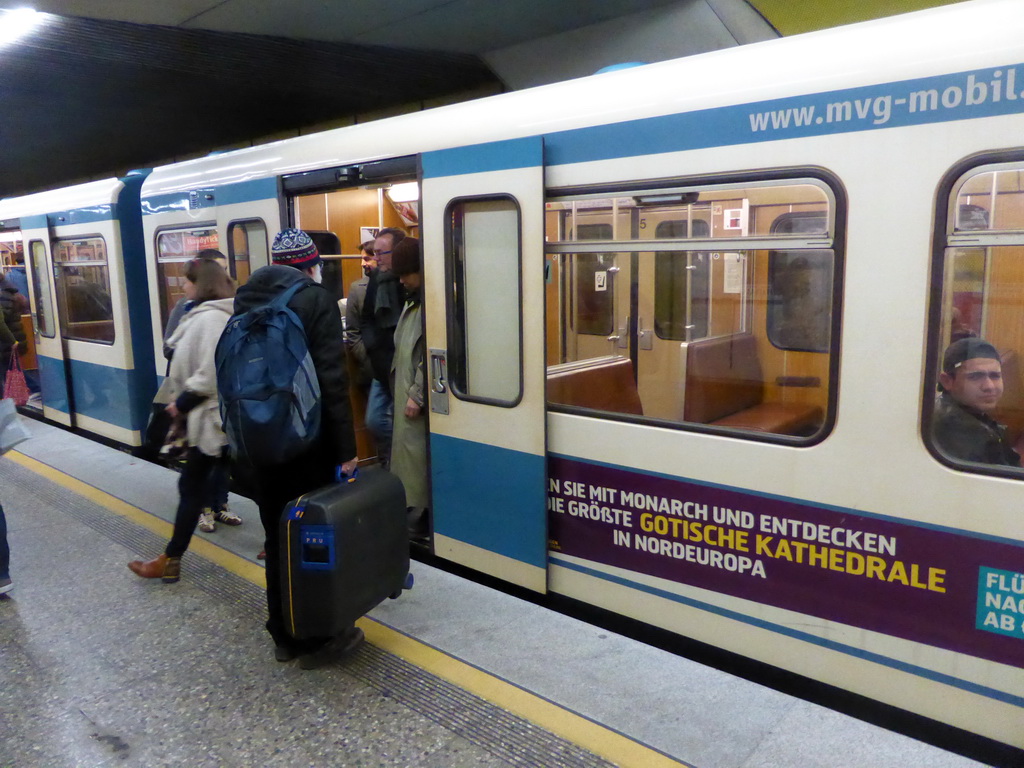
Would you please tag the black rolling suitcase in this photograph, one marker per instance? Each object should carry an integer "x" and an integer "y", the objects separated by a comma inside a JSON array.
[{"x": 345, "y": 548}]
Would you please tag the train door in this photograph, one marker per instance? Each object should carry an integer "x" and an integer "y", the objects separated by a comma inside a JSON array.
[
  {"x": 484, "y": 302},
  {"x": 342, "y": 208},
  {"x": 51, "y": 353}
]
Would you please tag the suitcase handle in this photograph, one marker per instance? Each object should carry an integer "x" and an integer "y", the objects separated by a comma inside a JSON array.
[{"x": 341, "y": 477}]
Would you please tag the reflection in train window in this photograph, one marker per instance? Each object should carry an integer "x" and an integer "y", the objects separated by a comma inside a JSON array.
[
  {"x": 721, "y": 303},
  {"x": 41, "y": 288},
  {"x": 174, "y": 249},
  {"x": 247, "y": 246},
  {"x": 800, "y": 288},
  {"x": 482, "y": 251},
  {"x": 83, "y": 289},
  {"x": 982, "y": 296}
]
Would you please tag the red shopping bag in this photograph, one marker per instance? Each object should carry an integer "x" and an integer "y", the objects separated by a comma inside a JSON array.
[{"x": 15, "y": 387}]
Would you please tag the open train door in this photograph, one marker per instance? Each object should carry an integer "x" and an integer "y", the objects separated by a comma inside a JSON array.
[
  {"x": 50, "y": 346},
  {"x": 483, "y": 233}
]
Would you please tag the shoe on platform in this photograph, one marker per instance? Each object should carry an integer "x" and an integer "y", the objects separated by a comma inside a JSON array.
[
  {"x": 6, "y": 585},
  {"x": 206, "y": 524},
  {"x": 334, "y": 649},
  {"x": 163, "y": 567},
  {"x": 262, "y": 555},
  {"x": 227, "y": 517}
]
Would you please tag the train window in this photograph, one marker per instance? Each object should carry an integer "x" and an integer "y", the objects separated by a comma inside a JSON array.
[
  {"x": 41, "y": 288},
  {"x": 174, "y": 249},
  {"x": 721, "y": 300},
  {"x": 484, "y": 298},
  {"x": 247, "y": 248},
  {"x": 83, "y": 289},
  {"x": 974, "y": 411}
]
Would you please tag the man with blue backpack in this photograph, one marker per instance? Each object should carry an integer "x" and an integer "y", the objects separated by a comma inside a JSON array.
[{"x": 285, "y": 407}]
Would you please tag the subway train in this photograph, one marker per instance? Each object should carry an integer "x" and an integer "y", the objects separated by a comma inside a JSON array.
[{"x": 685, "y": 323}]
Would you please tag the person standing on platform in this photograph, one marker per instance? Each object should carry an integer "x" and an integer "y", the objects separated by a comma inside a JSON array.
[
  {"x": 195, "y": 379},
  {"x": 296, "y": 260},
  {"x": 381, "y": 310},
  {"x": 8, "y": 345},
  {"x": 409, "y": 440}
]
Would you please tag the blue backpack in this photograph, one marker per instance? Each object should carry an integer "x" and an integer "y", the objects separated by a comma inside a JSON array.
[{"x": 269, "y": 393}]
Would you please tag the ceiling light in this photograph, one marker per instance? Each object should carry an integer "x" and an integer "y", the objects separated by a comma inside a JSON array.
[
  {"x": 18, "y": 23},
  {"x": 404, "y": 193}
]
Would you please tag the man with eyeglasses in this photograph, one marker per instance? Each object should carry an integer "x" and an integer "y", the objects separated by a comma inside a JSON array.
[
  {"x": 971, "y": 384},
  {"x": 382, "y": 306}
]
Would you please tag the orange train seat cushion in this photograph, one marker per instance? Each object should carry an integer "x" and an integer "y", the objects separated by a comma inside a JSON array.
[
  {"x": 725, "y": 387},
  {"x": 603, "y": 383}
]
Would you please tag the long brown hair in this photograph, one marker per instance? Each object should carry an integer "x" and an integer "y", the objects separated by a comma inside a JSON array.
[{"x": 211, "y": 281}]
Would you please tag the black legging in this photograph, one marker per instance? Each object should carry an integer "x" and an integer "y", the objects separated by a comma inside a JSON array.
[{"x": 196, "y": 489}]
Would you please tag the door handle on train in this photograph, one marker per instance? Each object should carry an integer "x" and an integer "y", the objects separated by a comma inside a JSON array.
[
  {"x": 645, "y": 336},
  {"x": 438, "y": 381}
]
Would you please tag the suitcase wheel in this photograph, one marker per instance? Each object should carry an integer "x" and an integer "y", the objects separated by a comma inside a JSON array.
[{"x": 406, "y": 585}]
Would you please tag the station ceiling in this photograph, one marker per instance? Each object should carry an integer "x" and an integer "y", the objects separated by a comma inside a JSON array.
[{"x": 103, "y": 86}]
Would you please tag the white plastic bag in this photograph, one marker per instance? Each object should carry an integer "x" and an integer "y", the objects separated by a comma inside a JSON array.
[{"x": 12, "y": 429}]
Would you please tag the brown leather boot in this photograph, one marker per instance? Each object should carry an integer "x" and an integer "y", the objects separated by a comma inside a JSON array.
[{"x": 162, "y": 567}]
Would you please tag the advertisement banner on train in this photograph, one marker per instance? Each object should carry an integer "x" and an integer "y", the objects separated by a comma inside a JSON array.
[{"x": 948, "y": 589}]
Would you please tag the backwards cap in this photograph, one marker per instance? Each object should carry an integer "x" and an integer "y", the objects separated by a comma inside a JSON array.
[
  {"x": 294, "y": 248},
  {"x": 959, "y": 352}
]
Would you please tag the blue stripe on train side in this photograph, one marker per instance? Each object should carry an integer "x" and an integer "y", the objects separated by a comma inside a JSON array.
[
  {"x": 493, "y": 156},
  {"x": 111, "y": 395},
  {"x": 961, "y": 96},
  {"x": 53, "y": 383},
  {"x": 489, "y": 497},
  {"x": 228, "y": 194}
]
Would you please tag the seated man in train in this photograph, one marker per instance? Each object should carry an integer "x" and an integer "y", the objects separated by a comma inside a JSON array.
[{"x": 971, "y": 383}]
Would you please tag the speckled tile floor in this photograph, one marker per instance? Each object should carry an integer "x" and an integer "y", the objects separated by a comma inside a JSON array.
[{"x": 101, "y": 668}]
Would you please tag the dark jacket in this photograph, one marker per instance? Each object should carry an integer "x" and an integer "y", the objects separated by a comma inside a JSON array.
[
  {"x": 320, "y": 318},
  {"x": 6, "y": 342},
  {"x": 13, "y": 305},
  {"x": 969, "y": 435},
  {"x": 381, "y": 309}
]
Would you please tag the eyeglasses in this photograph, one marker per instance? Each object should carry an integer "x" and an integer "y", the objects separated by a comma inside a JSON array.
[{"x": 381, "y": 253}]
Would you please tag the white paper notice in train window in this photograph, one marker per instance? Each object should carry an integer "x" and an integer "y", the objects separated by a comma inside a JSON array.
[
  {"x": 733, "y": 273},
  {"x": 601, "y": 281}
]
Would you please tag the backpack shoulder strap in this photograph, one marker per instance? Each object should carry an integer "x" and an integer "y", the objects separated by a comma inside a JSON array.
[{"x": 282, "y": 299}]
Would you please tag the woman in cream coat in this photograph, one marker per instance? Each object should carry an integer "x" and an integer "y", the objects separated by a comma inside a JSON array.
[{"x": 193, "y": 375}]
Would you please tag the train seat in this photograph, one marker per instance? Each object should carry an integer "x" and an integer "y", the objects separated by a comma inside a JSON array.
[
  {"x": 725, "y": 388},
  {"x": 601, "y": 383}
]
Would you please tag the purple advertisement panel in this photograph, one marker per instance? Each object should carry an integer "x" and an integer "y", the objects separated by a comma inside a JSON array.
[{"x": 942, "y": 588}]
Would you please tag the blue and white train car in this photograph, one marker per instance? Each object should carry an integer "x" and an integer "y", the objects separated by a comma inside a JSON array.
[
  {"x": 684, "y": 324},
  {"x": 84, "y": 259}
]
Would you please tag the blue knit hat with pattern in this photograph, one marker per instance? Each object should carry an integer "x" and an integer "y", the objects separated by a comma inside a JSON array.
[{"x": 294, "y": 248}]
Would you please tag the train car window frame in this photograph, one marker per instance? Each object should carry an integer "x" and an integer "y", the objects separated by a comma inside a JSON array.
[
  {"x": 38, "y": 263},
  {"x": 101, "y": 304},
  {"x": 465, "y": 324},
  {"x": 164, "y": 289},
  {"x": 233, "y": 259},
  {"x": 735, "y": 240},
  {"x": 974, "y": 233}
]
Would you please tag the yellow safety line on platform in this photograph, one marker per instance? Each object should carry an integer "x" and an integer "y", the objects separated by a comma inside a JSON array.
[{"x": 600, "y": 740}]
